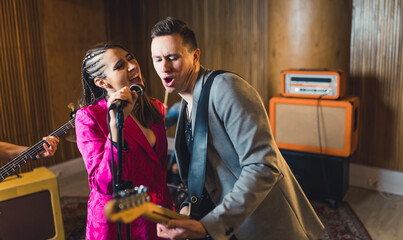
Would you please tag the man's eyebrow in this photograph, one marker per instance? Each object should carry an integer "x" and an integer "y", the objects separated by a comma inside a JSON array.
[
  {"x": 172, "y": 55},
  {"x": 166, "y": 56}
]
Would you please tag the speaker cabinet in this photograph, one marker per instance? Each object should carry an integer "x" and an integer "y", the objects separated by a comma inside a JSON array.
[
  {"x": 319, "y": 126},
  {"x": 322, "y": 177},
  {"x": 30, "y": 206}
]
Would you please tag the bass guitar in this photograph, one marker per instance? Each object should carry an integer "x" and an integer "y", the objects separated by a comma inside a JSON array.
[
  {"x": 134, "y": 203},
  {"x": 29, "y": 154}
]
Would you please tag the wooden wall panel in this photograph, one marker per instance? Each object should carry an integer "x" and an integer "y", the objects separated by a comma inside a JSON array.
[
  {"x": 377, "y": 77},
  {"x": 23, "y": 82}
]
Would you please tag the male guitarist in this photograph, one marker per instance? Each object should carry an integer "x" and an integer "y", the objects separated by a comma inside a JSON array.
[
  {"x": 252, "y": 191},
  {"x": 9, "y": 151}
]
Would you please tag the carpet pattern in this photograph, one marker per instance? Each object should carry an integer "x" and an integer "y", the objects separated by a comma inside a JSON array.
[
  {"x": 74, "y": 213},
  {"x": 341, "y": 223}
]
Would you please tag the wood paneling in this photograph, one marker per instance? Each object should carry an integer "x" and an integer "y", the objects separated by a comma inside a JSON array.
[
  {"x": 376, "y": 76},
  {"x": 24, "y": 92}
]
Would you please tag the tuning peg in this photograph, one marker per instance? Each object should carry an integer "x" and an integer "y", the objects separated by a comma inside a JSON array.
[
  {"x": 71, "y": 106},
  {"x": 140, "y": 189}
]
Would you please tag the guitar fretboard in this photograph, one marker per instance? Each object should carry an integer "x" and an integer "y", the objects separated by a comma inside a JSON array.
[{"x": 29, "y": 154}]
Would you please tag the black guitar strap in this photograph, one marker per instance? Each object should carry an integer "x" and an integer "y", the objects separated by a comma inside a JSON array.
[{"x": 199, "y": 152}]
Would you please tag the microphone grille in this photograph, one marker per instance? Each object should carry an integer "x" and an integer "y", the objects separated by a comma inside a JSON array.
[{"x": 138, "y": 88}]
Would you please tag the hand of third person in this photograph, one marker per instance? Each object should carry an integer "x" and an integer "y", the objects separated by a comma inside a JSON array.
[{"x": 49, "y": 151}]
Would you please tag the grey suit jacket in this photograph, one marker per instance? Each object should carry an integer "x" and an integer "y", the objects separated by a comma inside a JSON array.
[{"x": 254, "y": 190}]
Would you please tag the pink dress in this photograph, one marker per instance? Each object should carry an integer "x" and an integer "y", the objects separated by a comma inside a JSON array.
[{"x": 141, "y": 164}]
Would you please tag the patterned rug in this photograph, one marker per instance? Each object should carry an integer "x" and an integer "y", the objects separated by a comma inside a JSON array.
[
  {"x": 74, "y": 213},
  {"x": 341, "y": 223}
]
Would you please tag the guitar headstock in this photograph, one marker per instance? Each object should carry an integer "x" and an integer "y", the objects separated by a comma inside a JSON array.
[
  {"x": 125, "y": 200},
  {"x": 73, "y": 109},
  {"x": 130, "y": 198}
]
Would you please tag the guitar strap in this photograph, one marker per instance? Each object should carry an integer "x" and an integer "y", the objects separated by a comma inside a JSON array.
[{"x": 197, "y": 167}]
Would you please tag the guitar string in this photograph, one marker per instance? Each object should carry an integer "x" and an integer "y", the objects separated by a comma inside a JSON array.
[{"x": 33, "y": 151}]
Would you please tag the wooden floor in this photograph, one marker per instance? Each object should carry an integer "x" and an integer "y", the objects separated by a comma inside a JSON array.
[{"x": 382, "y": 214}]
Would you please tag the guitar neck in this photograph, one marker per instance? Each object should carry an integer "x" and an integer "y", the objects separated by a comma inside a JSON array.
[
  {"x": 159, "y": 214},
  {"x": 29, "y": 154}
]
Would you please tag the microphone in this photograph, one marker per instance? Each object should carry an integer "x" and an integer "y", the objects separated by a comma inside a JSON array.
[{"x": 138, "y": 88}]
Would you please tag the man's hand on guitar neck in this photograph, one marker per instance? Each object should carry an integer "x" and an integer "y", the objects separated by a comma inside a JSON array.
[{"x": 182, "y": 229}]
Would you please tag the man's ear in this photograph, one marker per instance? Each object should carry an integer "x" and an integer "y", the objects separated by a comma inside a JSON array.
[
  {"x": 102, "y": 83},
  {"x": 196, "y": 55}
]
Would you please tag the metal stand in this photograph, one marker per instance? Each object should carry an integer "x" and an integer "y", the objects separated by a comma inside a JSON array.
[{"x": 120, "y": 185}]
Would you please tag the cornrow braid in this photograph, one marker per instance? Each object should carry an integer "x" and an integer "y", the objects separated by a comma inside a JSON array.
[{"x": 91, "y": 69}]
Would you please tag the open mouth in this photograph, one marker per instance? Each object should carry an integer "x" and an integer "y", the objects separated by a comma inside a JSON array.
[
  {"x": 136, "y": 79},
  {"x": 168, "y": 79}
]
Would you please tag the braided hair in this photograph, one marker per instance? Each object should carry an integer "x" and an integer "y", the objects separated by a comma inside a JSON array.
[{"x": 93, "y": 67}]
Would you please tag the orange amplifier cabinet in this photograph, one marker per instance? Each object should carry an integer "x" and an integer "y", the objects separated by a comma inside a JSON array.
[
  {"x": 30, "y": 206},
  {"x": 317, "y": 126},
  {"x": 323, "y": 84}
]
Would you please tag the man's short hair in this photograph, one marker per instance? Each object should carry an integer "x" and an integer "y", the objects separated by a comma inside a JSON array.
[{"x": 170, "y": 26}]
